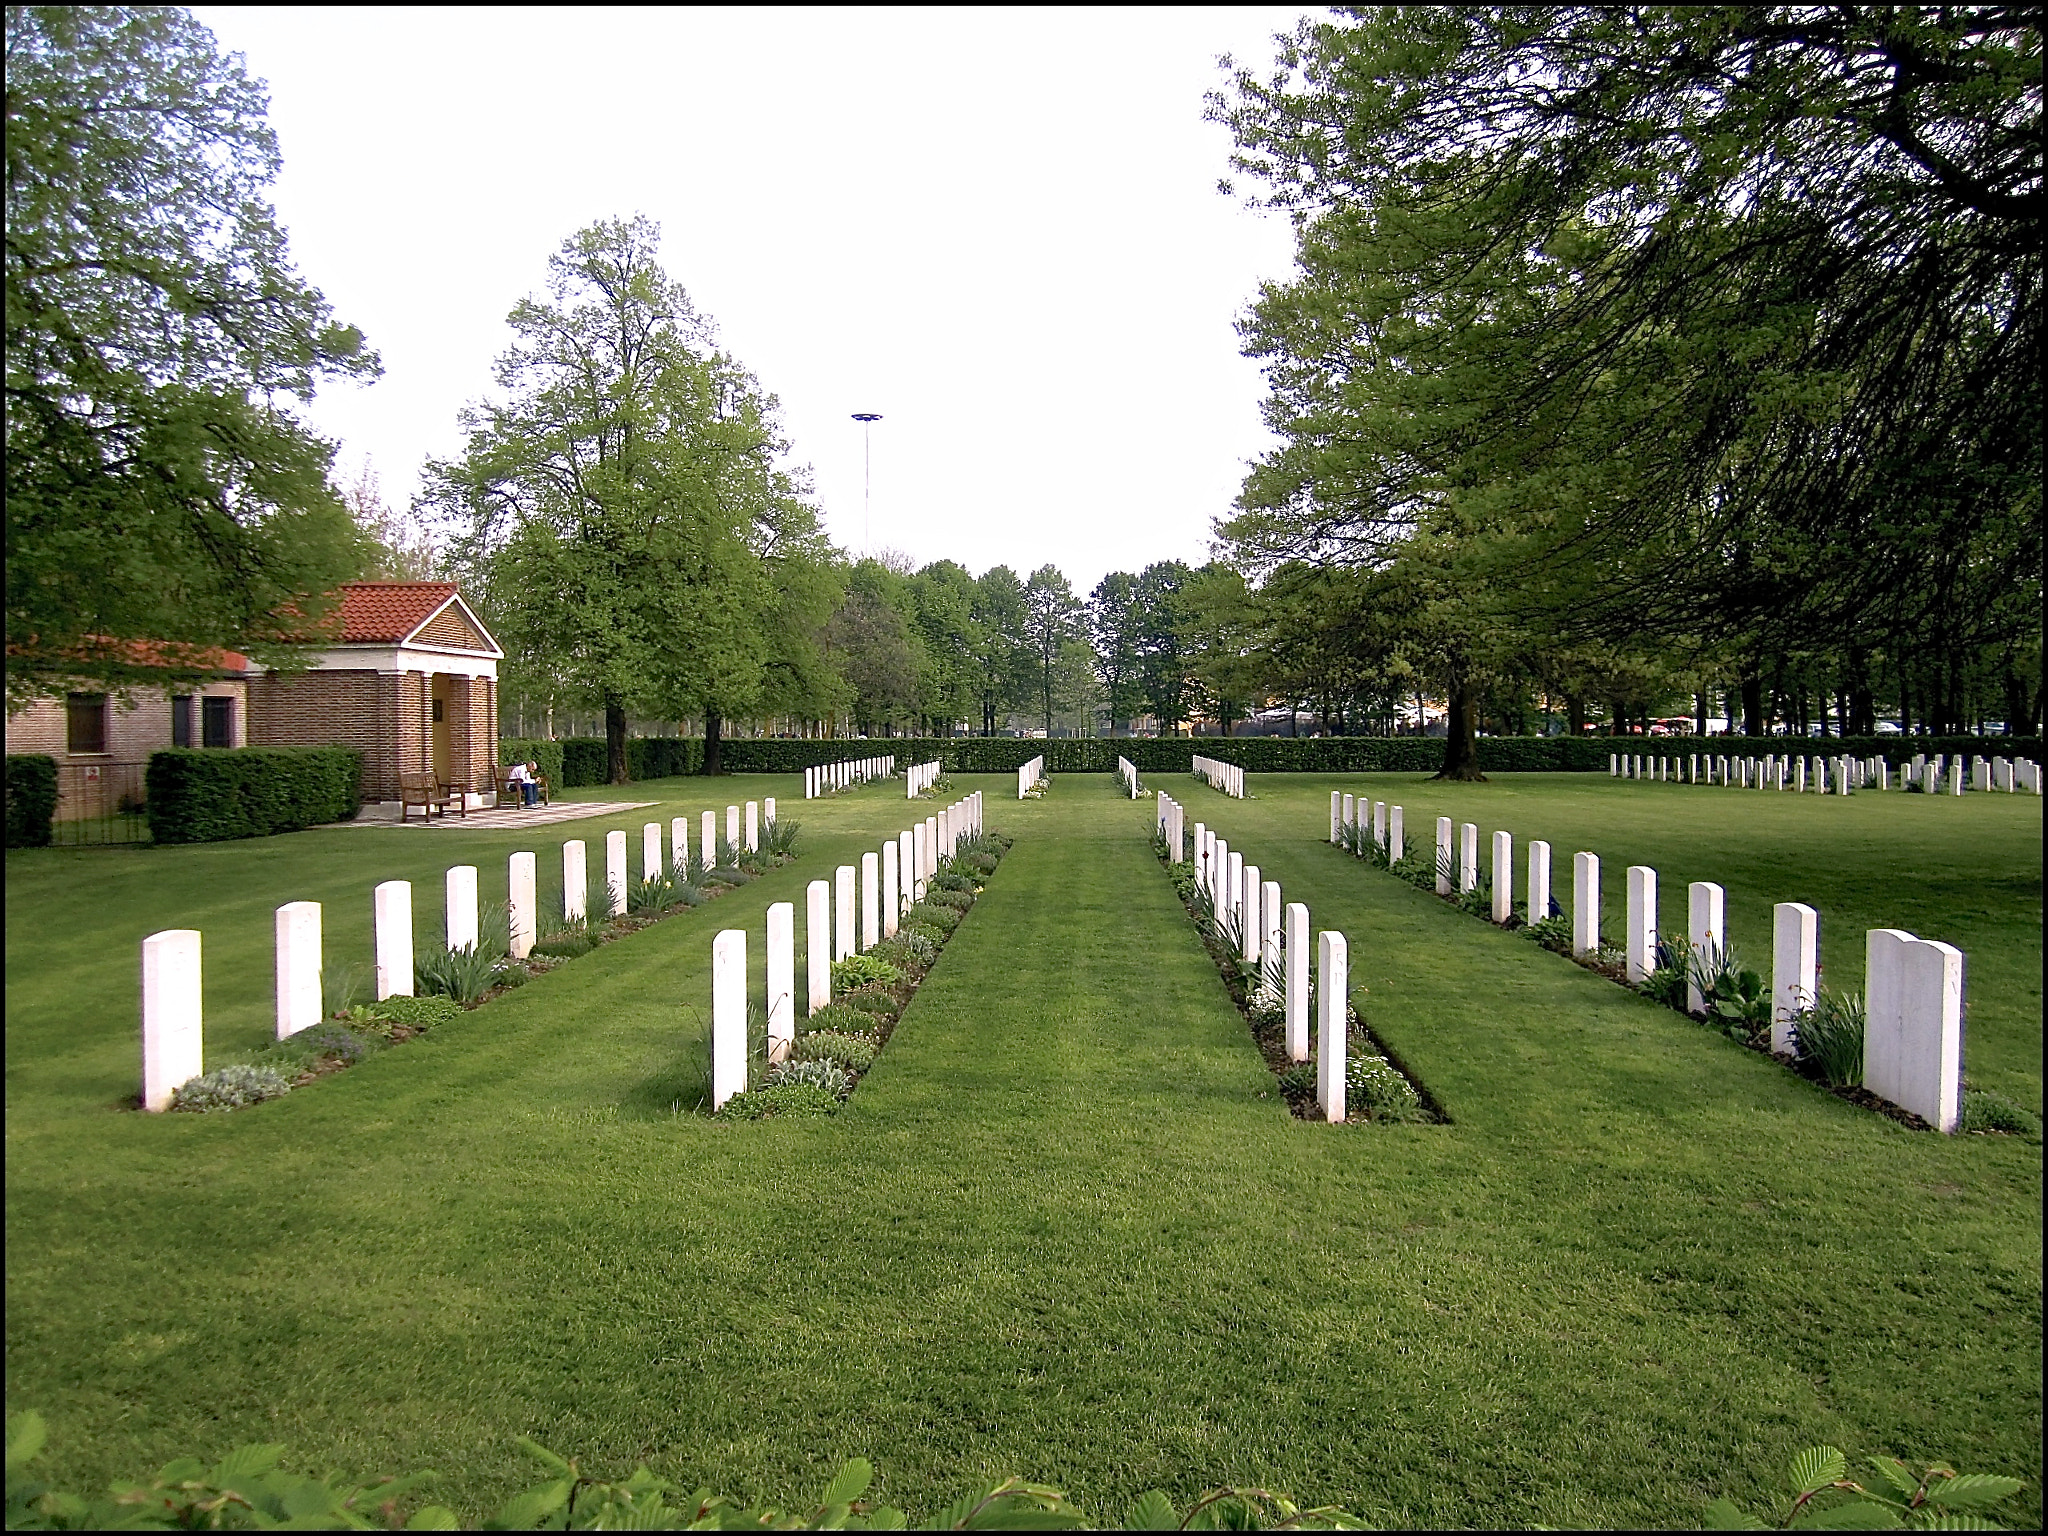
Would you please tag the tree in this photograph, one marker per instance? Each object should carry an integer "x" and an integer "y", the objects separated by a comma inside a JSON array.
[
  {"x": 1114, "y": 621},
  {"x": 159, "y": 486},
  {"x": 621, "y": 505},
  {"x": 1217, "y": 633},
  {"x": 1727, "y": 323},
  {"x": 1003, "y": 659},
  {"x": 872, "y": 645},
  {"x": 397, "y": 548},
  {"x": 1051, "y": 618},
  {"x": 1163, "y": 680},
  {"x": 941, "y": 599}
]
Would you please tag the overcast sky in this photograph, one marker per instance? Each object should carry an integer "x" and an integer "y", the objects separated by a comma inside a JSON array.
[{"x": 999, "y": 229}]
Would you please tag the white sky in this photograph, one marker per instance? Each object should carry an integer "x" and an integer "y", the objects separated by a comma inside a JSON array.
[{"x": 1000, "y": 229}]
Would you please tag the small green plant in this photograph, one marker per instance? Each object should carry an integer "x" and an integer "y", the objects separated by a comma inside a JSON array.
[
  {"x": 565, "y": 946},
  {"x": 342, "y": 986},
  {"x": 1986, "y": 1111},
  {"x": 1553, "y": 933},
  {"x": 728, "y": 876},
  {"x": 234, "y": 1086},
  {"x": 1829, "y": 1038},
  {"x": 309, "y": 1047},
  {"x": 839, "y": 1018},
  {"x": 779, "y": 837},
  {"x": 930, "y": 915},
  {"x": 1826, "y": 1498},
  {"x": 414, "y": 1012},
  {"x": 814, "y": 1073},
  {"x": 464, "y": 974},
  {"x": 872, "y": 1000},
  {"x": 953, "y": 880},
  {"x": 645, "y": 897},
  {"x": 930, "y": 935},
  {"x": 1665, "y": 984},
  {"x": 1299, "y": 1080},
  {"x": 853, "y": 1052},
  {"x": 943, "y": 896},
  {"x": 867, "y": 970},
  {"x": 1375, "y": 1083}
]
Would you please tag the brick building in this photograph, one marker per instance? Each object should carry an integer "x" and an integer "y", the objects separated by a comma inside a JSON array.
[{"x": 411, "y": 682}]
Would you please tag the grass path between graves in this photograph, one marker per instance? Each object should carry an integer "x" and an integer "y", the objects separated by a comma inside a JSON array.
[{"x": 1064, "y": 1228}]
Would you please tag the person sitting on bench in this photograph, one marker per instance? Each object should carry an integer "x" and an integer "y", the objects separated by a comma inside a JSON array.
[{"x": 521, "y": 774}]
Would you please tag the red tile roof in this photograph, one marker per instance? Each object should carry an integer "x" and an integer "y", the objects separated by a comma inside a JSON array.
[
  {"x": 169, "y": 656},
  {"x": 385, "y": 612}
]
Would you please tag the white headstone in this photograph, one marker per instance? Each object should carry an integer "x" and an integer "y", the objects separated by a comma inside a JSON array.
[
  {"x": 298, "y": 962},
  {"x": 1396, "y": 845},
  {"x": 1350, "y": 817},
  {"x": 1248, "y": 912},
  {"x": 917, "y": 858},
  {"x": 1333, "y": 989},
  {"x": 650, "y": 851},
  {"x": 892, "y": 900},
  {"x": 1585, "y": 903},
  {"x": 679, "y": 845},
  {"x": 459, "y": 907},
  {"x": 728, "y": 1015},
  {"x": 1795, "y": 969},
  {"x": 1503, "y": 876},
  {"x": 1642, "y": 922},
  {"x": 817, "y": 946},
  {"x": 753, "y": 826},
  {"x": 1269, "y": 926},
  {"x": 781, "y": 979},
  {"x": 1232, "y": 863},
  {"x": 1913, "y": 1034},
  {"x": 1468, "y": 857},
  {"x": 615, "y": 873},
  {"x": 732, "y": 830},
  {"x": 1379, "y": 823},
  {"x": 870, "y": 901},
  {"x": 1707, "y": 932},
  {"x": 172, "y": 1032},
  {"x": 842, "y": 912},
  {"x": 522, "y": 905},
  {"x": 1297, "y": 981},
  {"x": 906, "y": 873},
  {"x": 1443, "y": 855},
  {"x": 707, "y": 839},
  {"x": 392, "y": 904},
  {"x": 1336, "y": 813},
  {"x": 1538, "y": 900},
  {"x": 767, "y": 814}
]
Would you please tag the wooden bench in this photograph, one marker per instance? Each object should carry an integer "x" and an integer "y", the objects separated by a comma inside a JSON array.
[
  {"x": 508, "y": 790},
  {"x": 426, "y": 792}
]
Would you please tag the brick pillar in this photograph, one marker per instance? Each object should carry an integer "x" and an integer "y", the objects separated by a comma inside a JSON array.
[{"x": 380, "y": 775}]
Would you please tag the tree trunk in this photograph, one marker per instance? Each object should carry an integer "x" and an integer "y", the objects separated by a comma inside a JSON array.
[
  {"x": 615, "y": 740},
  {"x": 1461, "y": 732},
  {"x": 714, "y": 727},
  {"x": 1752, "y": 703}
]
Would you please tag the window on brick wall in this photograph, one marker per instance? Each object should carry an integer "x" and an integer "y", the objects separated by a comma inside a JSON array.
[
  {"x": 219, "y": 722},
  {"x": 85, "y": 722},
  {"x": 181, "y": 720}
]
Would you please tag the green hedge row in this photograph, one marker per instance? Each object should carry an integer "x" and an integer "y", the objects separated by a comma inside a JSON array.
[
  {"x": 31, "y": 799},
  {"x": 200, "y": 796},
  {"x": 582, "y": 759},
  {"x": 514, "y": 749}
]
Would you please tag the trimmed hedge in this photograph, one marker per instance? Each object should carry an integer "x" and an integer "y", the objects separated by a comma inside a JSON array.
[
  {"x": 582, "y": 758},
  {"x": 198, "y": 795},
  {"x": 31, "y": 799},
  {"x": 514, "y": 749}
]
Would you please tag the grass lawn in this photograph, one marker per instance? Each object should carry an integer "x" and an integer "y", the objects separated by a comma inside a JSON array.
[{"x": 1065, "y": 1227}]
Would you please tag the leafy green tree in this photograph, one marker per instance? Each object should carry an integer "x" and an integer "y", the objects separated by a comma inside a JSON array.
[
  {"x": 1114, "y": 621},
  {"x": 159, "y": 485},
  {"x": 1052, "y": 617},
  {"x": 1004, "y": 662},
  {"x": 874, "y": 647},
  {"x": 1219, "y": 634},
  {"x": 1163, "y": 678},
  {"x": 941, "y": 599},
  {"x": 621, "y": 504}
]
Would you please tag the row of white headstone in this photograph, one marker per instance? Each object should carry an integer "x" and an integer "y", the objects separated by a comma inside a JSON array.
[
  {"x": 892, "y": 880},
  {"x": 172, "y": 994},
  {"x": 1269, "y": 932},
  {"x": 1838, "y": 775},
  {"x": 1029, "y": 774},
  {"x": 829, "y": 778},
  {"x": 920, "y": 777},
  {"x": 1388, "y": 830},
  {"x": 1127, "y": 775},
  {"x": 1226, "y": 778},
  {"x": 1913, "y": 988}
]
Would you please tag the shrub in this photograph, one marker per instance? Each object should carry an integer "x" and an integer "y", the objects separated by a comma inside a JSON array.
[
  {"x": 827, "y": 1075},
  {"x": 414, "y": 1012},
  {"x": 855, "y": 1052},
  {"x": 872, "y": 1002},
  {"x": 981, "y": 863},
  {"x": 837, "y": 1018},
  {"x": 1553, "y": 933},
  {"x": 312, "y": 1045},
  {"x": 230, "y": 1087},
  {"x": 565, "y": 946},
  {"x": 728, "y": 876},
  {"x": 951, "y": 880},
  {"x": 31, "y": 799},
  {"x": 917, "y": 943},
  {"x": 929, "y": 933},
  {"x": 861, "y": 971},
  {"x": 781, "y": 837},
  {"x": 1984, "y": 1110},
  {"x": 1299, "y": 1080},
  {"x": 645, "y": 896},
  {"x": 1829, "y": 1037},
  {"x": 197, "y": 795},
  {"x": 1826, "y": 1498},
  {"x": 896, "y": 953},
  {"x": 464, "y": 974},
  {"x": 1375, "y": 1082},
  {"x": 928, "y": 914},
  {"x": 959, "y": 901},
  {"x": 794, "y": 1100}
]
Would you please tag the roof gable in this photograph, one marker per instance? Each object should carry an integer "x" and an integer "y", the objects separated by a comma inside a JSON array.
[
  {"x": 454, "y": 625},
  {"x": 386, "y": 612}
]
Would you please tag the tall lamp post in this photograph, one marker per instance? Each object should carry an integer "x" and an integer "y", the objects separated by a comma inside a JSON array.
[{"x": 867, "y": 420}]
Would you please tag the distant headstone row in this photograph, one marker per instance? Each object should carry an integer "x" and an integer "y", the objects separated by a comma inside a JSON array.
[
  {"x": 1226, "y": 778},
  {"x": 1029, "y": 774},
  {"x": 830, "y": 778},
  {"x": 1127, "y": 776},
  {"x": 890, "y": 880},
  {"x": 920, "y": 777},
  {"x": 172, "y": 1022},
  {"x": 1349, "y": 825},
  {"x": 1913, "y": 1058},
  {"x": 1830, "y": 775},
  {"x": 1273, "y": 935}
]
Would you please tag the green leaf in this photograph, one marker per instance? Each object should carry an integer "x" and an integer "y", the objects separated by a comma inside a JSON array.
[
  {"x": 1722, "y": 1515},
  {"x": 1972, "y": 1489},
  {"x": 1817, "y": 1466},
  {"x": 850, "y": 1482},
  {"x": 1154, "y": 1511},
  {"x": 1958, "y": 1520},
  {"x": 433, "y": 1517},
  {"x": 1898, "y": 1474},
  {"x": 544, "y": 1456},
  {"x": 527, "y": 1510},
  {"x": 886, "y": 1517},
  {"x": 1856, "y": 1515},
  {"x": 308, "y": 1497},
  {"x": 26, "y": 1436},
  {"x": 247, "y": 1461}
]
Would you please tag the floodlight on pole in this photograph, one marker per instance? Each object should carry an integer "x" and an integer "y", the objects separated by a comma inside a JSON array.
[{"x": 867, "y": 419}]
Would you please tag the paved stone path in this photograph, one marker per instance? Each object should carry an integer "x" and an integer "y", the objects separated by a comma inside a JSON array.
[{"x": 508, "y": 818}]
